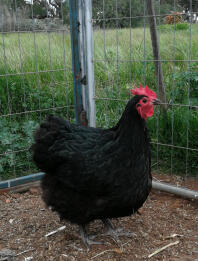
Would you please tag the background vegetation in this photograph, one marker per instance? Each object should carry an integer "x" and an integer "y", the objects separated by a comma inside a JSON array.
[
  {"x": 36, "y": 75},
  {"x": 29, "y": 15},
  {"x": 117, "y": 69}
]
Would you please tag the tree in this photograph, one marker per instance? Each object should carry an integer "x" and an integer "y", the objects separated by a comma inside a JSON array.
[
  {"x": 56, "y": 5},
  {"x": 14, "y": 4},
  {"x": 40, "y": 9},
  {"x": 49, "y": 8},
  {"x": 186, "y": 5},
  {"x": 123, "y": 10}
]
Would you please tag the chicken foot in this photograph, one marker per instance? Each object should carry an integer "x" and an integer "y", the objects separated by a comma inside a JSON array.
[
  {"x": 87, "y": 239},
  {"x": 115, "y": 233}
]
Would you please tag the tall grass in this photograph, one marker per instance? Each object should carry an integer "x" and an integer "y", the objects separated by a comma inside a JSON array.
[
  {"x": 32, "y": 55},
  {"x": 119, "y": 68},
  {"x": 36, "y": 77},
  {"x": 39, "y": 77}
]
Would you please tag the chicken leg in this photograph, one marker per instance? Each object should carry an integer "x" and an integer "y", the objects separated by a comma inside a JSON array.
[
  {"x": 115, "y": 233},
  {"x": 88, "y": 240}
]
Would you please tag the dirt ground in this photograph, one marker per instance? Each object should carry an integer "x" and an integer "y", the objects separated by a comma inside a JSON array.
[{"x": 164, "y": 219}]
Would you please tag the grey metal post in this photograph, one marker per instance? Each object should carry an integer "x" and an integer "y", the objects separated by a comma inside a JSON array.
[
  {"x": 76, "y": 64},
  {"x": 85, "y": 49},
  {"x": 83, "y": 53}
]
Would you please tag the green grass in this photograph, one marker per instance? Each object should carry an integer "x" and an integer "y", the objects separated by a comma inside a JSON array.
[
  {"x": 117, "y": 69},
  {"x": 114, "y": 79},
  {"x": 32, "y": 54},
  {"x": 176, "y": 27}
]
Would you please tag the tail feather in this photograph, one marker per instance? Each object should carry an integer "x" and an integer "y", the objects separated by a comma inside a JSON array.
[{"x": 44, "y": 137}]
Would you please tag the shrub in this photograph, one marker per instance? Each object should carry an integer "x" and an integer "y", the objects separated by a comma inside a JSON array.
[
  {"x": 176, "y": 27},
  {"x": 174, "y": 18},
  {"x": 181, "y": 26}
]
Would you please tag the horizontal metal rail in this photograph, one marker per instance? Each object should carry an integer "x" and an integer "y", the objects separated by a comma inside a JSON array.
[
  {"x": 8, "y": 184},
  {"x": 182, "y": 192},
  {"x": 22, "y": 183}
]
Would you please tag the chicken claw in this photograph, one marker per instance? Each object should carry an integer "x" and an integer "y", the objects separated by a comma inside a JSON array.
[
  {"x": 87, "y": 240},
  {"x": 115, "y": 233}
]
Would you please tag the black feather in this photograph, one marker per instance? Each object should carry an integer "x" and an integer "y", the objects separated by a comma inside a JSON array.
[{"x": 94, "y": 173}]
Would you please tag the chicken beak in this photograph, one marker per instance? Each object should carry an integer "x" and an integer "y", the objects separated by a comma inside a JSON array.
[{"x": 156, "y": 102}]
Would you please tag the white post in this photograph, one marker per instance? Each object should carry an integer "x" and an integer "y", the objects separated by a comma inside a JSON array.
[{"x": 90, "y": 65}]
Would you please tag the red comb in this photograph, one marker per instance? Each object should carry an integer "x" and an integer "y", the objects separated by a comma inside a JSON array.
[{"x": 144, "y": 91}]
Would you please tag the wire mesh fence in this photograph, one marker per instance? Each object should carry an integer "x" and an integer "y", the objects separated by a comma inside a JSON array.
[
  {"x": 123, "y": 58},
  {"x": 36, "y": 76},
  {"x": 36, "y": 80}
]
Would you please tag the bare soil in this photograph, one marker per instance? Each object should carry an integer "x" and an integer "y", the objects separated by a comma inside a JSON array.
[{"x": 164, "y": 219}]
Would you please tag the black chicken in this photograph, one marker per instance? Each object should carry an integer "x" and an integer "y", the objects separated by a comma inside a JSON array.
[{"x": 96, "y": 173}]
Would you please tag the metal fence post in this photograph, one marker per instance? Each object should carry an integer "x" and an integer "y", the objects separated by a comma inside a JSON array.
[
  {"x": 86, "y": 56},
  {"x": 76, "y": 65}
]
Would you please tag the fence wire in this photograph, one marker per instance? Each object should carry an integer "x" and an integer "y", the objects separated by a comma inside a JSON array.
[
  {"x": 35, "y": 78},
  {"x": 123, "y": 56}
]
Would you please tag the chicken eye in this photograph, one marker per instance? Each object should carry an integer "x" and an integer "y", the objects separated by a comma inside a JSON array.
[{"x": 144, "y": 100}]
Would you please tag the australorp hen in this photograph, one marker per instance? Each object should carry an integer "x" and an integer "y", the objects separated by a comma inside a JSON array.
[{"x": 93, "y": 173}]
